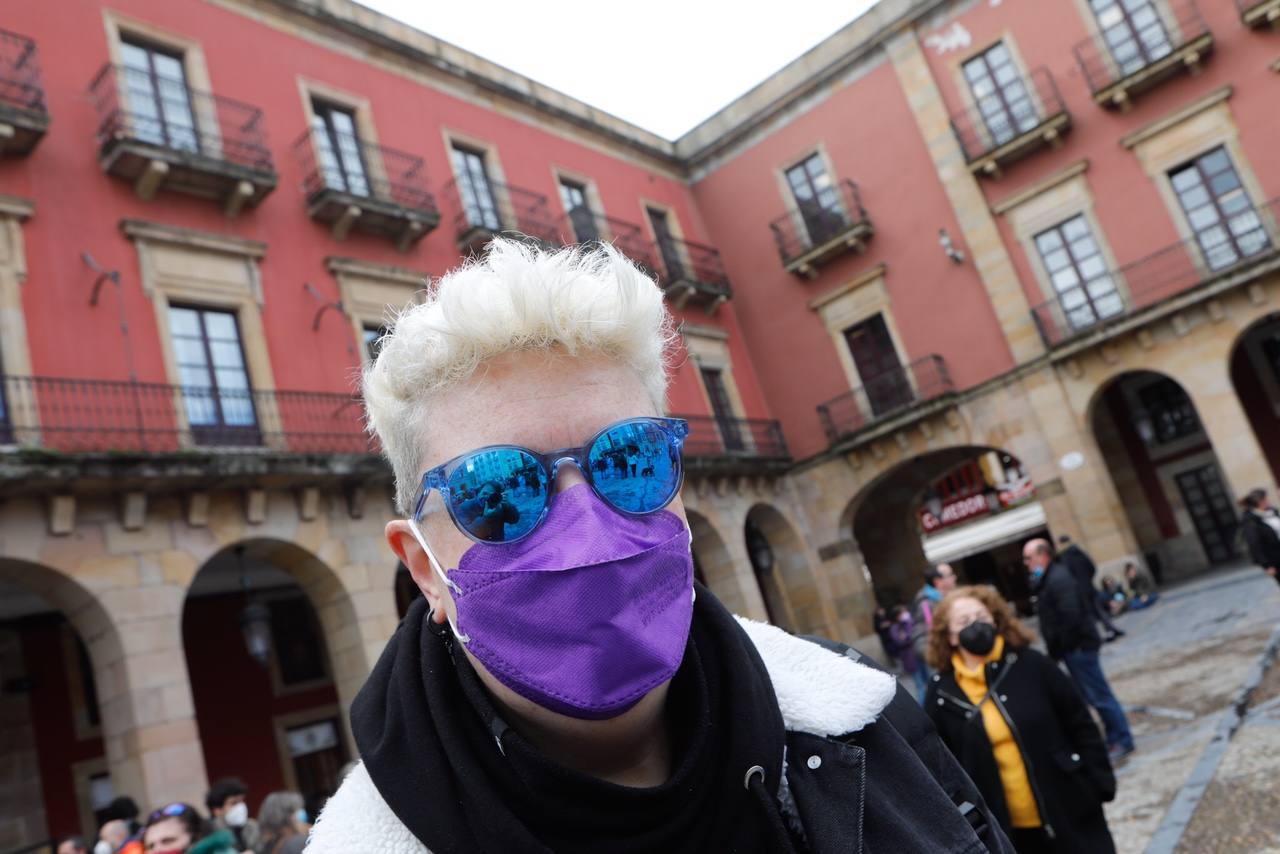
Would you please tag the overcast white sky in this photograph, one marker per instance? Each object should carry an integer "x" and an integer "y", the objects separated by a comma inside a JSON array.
[{"x": 664, "y": 65}]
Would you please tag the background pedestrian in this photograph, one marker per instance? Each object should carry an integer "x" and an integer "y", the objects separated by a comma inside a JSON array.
[
  {"x": 1260, "y": 527},
  {"x": 284, "y": 823},
  {"x": 1018, "y": 726}
]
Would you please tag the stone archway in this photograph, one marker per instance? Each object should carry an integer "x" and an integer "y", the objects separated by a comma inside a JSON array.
[
  {"x": 788, "y": 584},
  {"x": 726, "y": 574},
  {"x": 1255, "y": 375},
  {"x": 278, "y": 722},
  {"x": 141, "y": 724},
  {"x": 1166, "y": 471}
]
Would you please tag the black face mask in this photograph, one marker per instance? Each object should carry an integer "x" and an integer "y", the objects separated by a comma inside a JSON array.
[{"x": 978, "y": 638}]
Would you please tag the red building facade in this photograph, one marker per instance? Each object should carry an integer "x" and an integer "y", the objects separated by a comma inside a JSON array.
[{"x": 954, "y": 241}]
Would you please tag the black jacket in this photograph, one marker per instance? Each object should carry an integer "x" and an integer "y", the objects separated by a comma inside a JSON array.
[
  {"x": 1080, "y": 564},
  {"x": 1061, "y": 746},
  {"x": 1261, "y": 538},
  {"x": 1066, "y": 614}
]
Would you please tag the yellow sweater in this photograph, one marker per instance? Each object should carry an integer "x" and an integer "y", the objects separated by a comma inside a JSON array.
[{"x": 1013, "y": 771}]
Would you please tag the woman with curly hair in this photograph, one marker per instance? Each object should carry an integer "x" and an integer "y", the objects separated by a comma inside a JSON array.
[{"x": 1018, "y": 726}]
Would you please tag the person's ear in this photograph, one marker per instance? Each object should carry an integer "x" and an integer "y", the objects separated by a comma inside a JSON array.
[{"x": 410, "y": 552}]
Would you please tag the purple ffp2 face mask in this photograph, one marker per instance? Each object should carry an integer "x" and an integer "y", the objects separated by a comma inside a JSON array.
[{"x": 586, "y": 615}]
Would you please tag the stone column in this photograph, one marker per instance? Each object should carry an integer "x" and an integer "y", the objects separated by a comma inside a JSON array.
[{"x": 1244, "y": 465}]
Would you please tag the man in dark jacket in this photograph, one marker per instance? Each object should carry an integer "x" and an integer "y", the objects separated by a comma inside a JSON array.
[
  {"x": 1260, "y": 527},
  {"x": 1066, "y": 622},
  {"x": 1083, "y": 568}
]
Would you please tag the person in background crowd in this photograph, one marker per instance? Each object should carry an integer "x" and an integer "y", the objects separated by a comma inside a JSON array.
[
  {"x": 1018, "y": 726},
  {"x": 1260, "y": 527},
  {"x": 72, "y": 845},
  {"x": 900, "y": 635},
  {"x": 228, "y": 809},
  {"x": 1111, "y": 597},
  {"x": 1071, "y": 636},
  {"x": 114, "y": 838},
  {"x": 180, "y": 829},
  {"x": 622, "y": 713},
  {"x": 938, "y": 581},
  {"x": 882, "y": 622},
  {"x": 1083, "y": 569},
  {"x": 284, "y": 823},
  {"x": 1141, "y": 589}
]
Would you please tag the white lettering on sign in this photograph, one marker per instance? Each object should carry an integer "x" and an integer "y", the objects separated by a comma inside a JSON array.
[
  {"x": 956, "y": 37},
  {"x": 955, "y": 511}
]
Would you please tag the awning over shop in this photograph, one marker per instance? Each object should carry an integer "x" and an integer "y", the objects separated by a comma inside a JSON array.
[{"x": 988, "y": 533}]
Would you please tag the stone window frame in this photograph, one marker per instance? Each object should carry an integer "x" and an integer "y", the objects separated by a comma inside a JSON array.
[
  {"x": 311, "y": 90},
  {"x": 243, "y": 299},
  {"x": 789, "y": 201},
  {"x": 673, "y": 223},
  {"x": 857, "y": 300},
  {"x": 15, "y": 353},
  {"x": 1090, "y": 19},
  {"x": 1181, "y": 136},
  {"x": 708, "y": 347},
  {"x": 369, "y": 292},
  {"x": 492, "y": 165},
  {"x": 955, "y": 70},
  {"x": 1050, "y": 202},
  {"x": 121, "y": 27}
]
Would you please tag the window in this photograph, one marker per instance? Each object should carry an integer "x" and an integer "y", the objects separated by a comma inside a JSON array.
[
  {"x": 1218, "y": 209},
  {"x": 338, "y": 149},
  {"x": 475, "y": 188},
  {"x": 1211, "y": 511},
  {"x": 884, "y": 382},
  {"x": 372, "y": 336},
  {"x": 816, "y": 198},
  {"x": 1133, "y": 31},
  {"x": 574, "y": 197},
  {"x": 1171, "y": 412},
  {"x": 1078, "y": 272},
  {"x": 1002, "y": 98},
  {"x": 667, "y": 245},
  {"x": 211, "y": 369},
  {"x": 159, "y": 100},
  {"x": 722, "y": 409},
  {"x": 317, "y": 753},
  {"x": 296, "y": 642}
]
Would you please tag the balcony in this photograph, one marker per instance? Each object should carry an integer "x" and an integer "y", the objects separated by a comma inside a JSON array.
[
  {"x": 692, "y": 272},
  {"x": 734, "y": 445},
  {"x": 23, "y": 117},
  {"x": 1137, "y": 55},
  {"x": 587, "y": 227},
  {"x": 77, "y": 416},
  {"x": 190, "y": 142},
  {"x": 366, "y": 188},
  {"x": 811, "y": 236},
  {"x": 884, "y": 396},
  {"x": 1116, "y": 295},
  {"x": 1259, "y": 13},
  {"x": 483, "y": 212},
  {"x": 1002, "y": 130}
]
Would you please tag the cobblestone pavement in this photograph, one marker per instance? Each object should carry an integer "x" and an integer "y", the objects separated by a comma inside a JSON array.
[{"x": 1178, "y": 668}]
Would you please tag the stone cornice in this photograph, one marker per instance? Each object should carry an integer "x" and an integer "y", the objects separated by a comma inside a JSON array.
[
  {"x": 1160, "y": 125},
  {"x": 151, "y": 232},
  {"x": 370, "y": 270},
  {"x": 17, "y": 207},
  {"x": 863, "y": 278},
  {"x": 1028, "y": 193}
]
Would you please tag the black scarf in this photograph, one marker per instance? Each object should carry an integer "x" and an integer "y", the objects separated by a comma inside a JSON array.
[{"x": 429, "y": 736}]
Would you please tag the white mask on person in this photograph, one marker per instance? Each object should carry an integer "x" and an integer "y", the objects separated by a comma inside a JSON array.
[
  {"x": 102, "y": 846},
  {"x": 236, "y": 815}
]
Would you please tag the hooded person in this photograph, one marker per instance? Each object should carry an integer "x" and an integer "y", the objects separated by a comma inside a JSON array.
[{"x": 564, "y": 685}]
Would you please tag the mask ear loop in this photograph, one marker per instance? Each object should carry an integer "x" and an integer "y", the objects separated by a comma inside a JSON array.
[{"x": 439, "y": 570}]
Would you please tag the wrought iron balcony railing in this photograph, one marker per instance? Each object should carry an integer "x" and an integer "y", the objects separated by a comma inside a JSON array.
[
  {"x": 1009, "y": 124},
  {"x": 155, "y": 132},
  {"x": 1138, "y": 50},
  {"x": 22, "y": 106},
  {"x": 1247, "y": 239},
  {"x": 353, "y": 185},
  {"x": 1259, "y": 13},
  {"x": 817, "y": 231},
  {"x": 92, "y": 416},
  {"x": 484, "y": 209},
  {"x": 884, "y": 395},
  {"x": 692, "y": 271},
  {"x": 752, "y": 438},
  {"x": 585, "y": 226}
]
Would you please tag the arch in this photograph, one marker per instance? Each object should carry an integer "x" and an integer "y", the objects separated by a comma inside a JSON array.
[
  {"x": 1255, "y": 375},
  {"x": 103, "y": 644},
  {"x": 788, "y": 584},
  {"x": 1165, "y": 470},
  {"x": 250, "y": 714},
  {"x": 724, "y": 568}
]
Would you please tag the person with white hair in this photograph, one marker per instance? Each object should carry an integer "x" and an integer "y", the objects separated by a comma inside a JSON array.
[{"x": 564, "y": 685}]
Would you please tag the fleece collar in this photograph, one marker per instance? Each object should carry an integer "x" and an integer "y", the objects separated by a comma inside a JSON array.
[{"x": 819, "y": 691}]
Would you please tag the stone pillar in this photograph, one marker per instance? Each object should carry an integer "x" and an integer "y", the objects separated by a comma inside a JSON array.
[
  {"x": 1244, "y": 465},
  {"x": 978, "y": 227},
  {"x": 22, "y": 818}
]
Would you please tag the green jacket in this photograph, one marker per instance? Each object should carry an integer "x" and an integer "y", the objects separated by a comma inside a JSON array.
[{"x": 218, "y": 842}]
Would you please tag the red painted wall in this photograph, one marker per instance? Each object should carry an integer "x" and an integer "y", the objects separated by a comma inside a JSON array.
[
  {"x": 53, "y": 722},
  {"x": 938, "y": 307},
  {"x": 78, "y": 208},
  {"x": 234, "y": 699}
]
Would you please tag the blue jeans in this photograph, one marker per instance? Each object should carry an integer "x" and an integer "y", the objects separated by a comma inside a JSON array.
[
  {"x": 921, "y": 676},
  {"x": 1086, "y": 668}
]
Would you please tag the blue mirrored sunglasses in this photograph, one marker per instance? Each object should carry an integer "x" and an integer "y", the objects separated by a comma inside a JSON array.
[{"x": 502, "y": 493}]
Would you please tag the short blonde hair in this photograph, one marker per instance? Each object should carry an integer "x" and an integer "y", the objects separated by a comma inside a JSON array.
[{"x": 516, "y": 297}]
